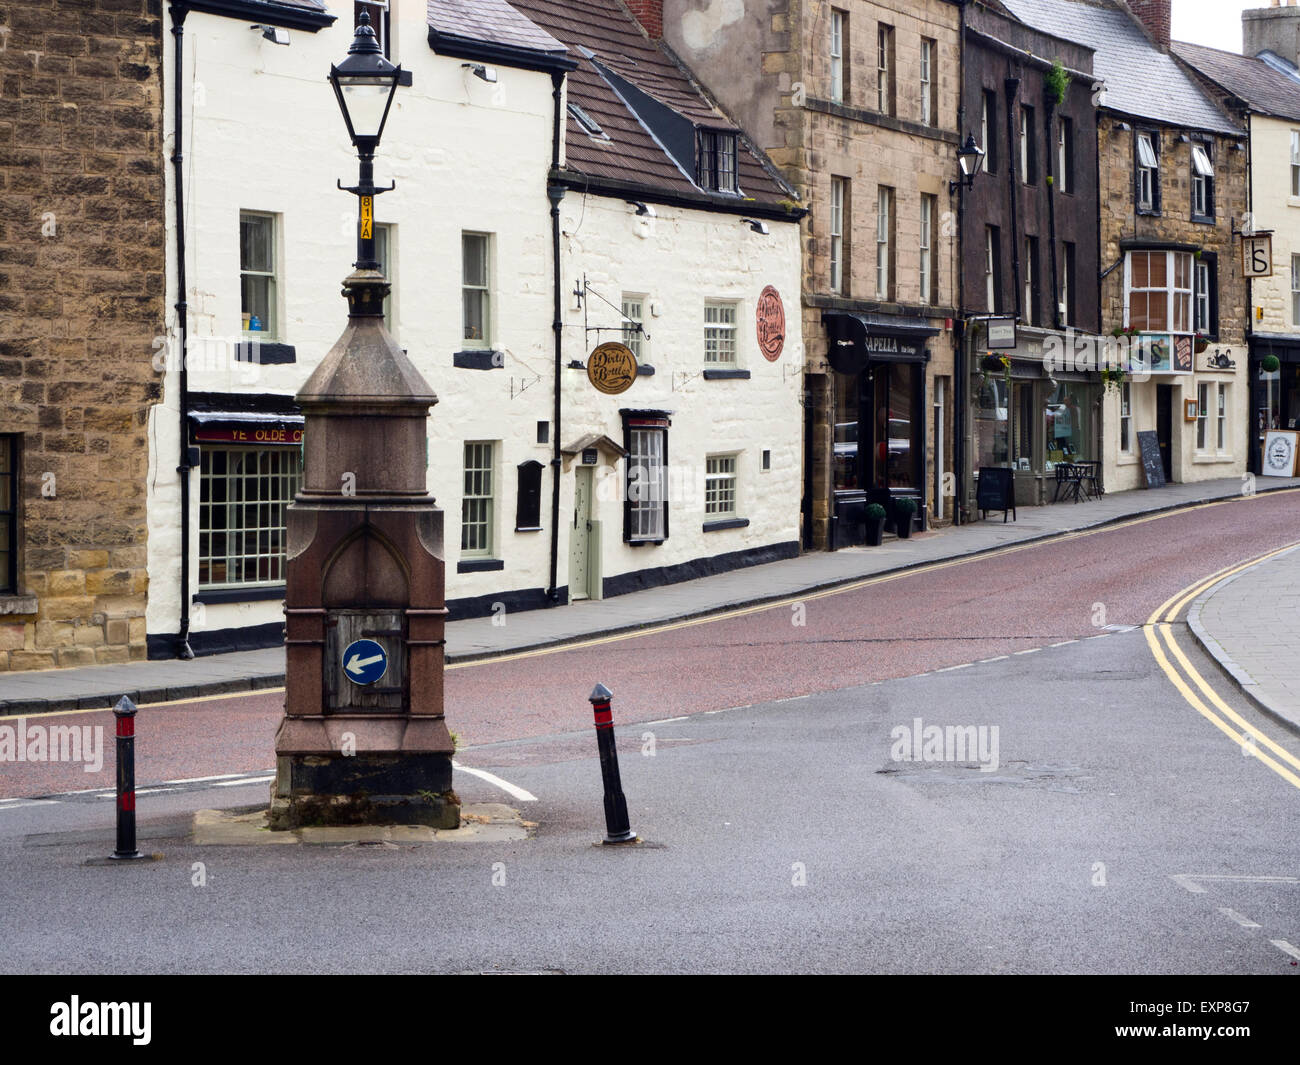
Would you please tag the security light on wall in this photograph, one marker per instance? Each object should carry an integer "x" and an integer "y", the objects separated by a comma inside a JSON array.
[
  {"x": 758, "y": 227},
  {"x": 274, "y": 34},
  {"x": 643, "y": 210},
  {"x": 488, "y": 74}
]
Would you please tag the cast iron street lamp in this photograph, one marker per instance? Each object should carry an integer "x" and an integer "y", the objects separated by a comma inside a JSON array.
[
  {"x": 364, "y": 84},
  {"x": 969, "y": 156}
]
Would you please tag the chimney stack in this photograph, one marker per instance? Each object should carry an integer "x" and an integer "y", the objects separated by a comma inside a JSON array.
[
  {"x": 650, "y": 13},
  {"x": 1272, "y": 29},
  {"x": 1155, "y": 16}
]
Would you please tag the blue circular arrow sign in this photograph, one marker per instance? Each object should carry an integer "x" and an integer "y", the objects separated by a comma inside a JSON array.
[{"x": 364, "y": 662}]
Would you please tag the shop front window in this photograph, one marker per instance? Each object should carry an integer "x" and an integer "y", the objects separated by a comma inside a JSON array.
[
  {"x": 897, "y": 443},
  {"x": 991, "y": 424},
  {"x": 1067, "y": 424},
  {"x": 846, "y": 432}
]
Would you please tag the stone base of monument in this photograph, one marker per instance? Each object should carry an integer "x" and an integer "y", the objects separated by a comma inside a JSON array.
[{"x": 363, "y": 770}]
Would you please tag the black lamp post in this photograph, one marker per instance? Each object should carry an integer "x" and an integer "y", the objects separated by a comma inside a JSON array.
[{"x": 364, "y": 84}]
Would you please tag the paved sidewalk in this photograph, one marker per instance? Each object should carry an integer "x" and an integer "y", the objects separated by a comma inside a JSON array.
[
  {"x": 1250, "y": 624},
  {"x": 156, "y": 681}
]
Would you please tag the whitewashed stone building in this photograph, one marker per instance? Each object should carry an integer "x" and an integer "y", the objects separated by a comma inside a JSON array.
[{"x": 538, "y": 212}]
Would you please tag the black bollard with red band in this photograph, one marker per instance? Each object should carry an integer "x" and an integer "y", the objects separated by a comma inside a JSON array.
[
  {"x": 618, "y": 829},
  {"x": 124, "y": 711}
]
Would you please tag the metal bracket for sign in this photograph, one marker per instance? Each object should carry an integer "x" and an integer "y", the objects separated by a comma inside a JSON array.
[
  {"x": 686, "y": 377},
  {"x": 524, "y": 386},
  {"x": 582, "y": 290}
]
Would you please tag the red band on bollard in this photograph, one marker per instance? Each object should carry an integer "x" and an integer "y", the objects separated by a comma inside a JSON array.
[
  {"x": 126, "y": 726},
  {"x": 126, "y": 801}
]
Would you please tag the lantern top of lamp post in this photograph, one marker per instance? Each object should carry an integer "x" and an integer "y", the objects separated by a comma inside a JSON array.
[{"x": 364, "y": 42}]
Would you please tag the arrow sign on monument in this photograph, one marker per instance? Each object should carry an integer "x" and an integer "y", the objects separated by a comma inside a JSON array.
[{"x": 364, "y": 662}]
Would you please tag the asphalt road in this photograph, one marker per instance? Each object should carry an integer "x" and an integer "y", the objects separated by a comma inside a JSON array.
[{"x": 1119, "y": 831}]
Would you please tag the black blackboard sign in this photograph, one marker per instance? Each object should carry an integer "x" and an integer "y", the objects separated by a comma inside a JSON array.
[
  {"x": 996, "y": 491},
  {"x": 1153, "y": 463}
]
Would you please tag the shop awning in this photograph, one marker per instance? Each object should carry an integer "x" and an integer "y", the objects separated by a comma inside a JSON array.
[{"x": 856, "y": 339}]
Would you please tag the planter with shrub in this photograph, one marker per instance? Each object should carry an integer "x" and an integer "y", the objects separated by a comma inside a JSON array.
[
  {"x": 875, "y": 525},
  {"x": 904, "y": 508}
]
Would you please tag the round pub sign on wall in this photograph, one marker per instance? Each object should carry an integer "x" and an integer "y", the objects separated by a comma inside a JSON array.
[
  {"x": 611, "y": 368},
  {"x": 771, "y": 324}
]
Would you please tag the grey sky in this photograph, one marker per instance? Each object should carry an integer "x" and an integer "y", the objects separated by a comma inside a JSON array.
[{"x": 1215, "y": 23}]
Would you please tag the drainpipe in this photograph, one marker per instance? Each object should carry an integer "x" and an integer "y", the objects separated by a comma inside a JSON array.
[
  {"x": 1057, "y": 295},
  {"x": 555, "y": 193},
  {"x": 959, "y": 373},
  {"x": 178, "y": 13}
]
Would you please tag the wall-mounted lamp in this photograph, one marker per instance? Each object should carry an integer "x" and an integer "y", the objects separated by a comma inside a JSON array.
[
  {"x": 274, "y": 34},
  {"x": 758, "y": 227},
  {"x": 643, "y": 209},
  {"x": 969, "y": 157},
  {"x": 488, "y": 74}
]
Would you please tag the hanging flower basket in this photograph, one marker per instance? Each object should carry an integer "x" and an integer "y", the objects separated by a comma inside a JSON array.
[
  {"x": 1200, "y": 343},
  {"x": 1113, "y": 378},
  {"x": 993, "y": 365}
]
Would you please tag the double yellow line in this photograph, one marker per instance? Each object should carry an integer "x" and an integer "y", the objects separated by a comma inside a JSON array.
[{"x": 1159, "y": 627}]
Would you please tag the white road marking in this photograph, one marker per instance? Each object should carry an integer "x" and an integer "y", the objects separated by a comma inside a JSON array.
[
  {"x": 1189, "y": 880},
  {"x": 949, "y": 669},
  {"x": 1285, "y": 947},
  {"x": 204, "y": 780},
  {"x": 1233, "y": 915},
  {"x": 665, "y": 721},
  {"x": 1100, "y": 636},
  {"x": 1030, "y": 651},
  {"x": 792, "y": 699},
  {"x": 1000, "y": 658},
  {"x": 492, "y": 778},
  {"x": 1063, "y": 643},
  {"x": 244, "y": 780},
  {"x": 18, "y": 804}
]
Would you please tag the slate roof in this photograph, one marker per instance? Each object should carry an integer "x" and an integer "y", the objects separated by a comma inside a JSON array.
[
  {"x": 490, "y": 22},
  {"x": 600, "y": 33},
  {"x": 1141, "y": 80},
  {"x": 1267, "y": 91}
]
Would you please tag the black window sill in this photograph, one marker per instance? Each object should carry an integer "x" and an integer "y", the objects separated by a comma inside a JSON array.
[
  {"x": 726, "y": 375},
  {"x": 480, "y": 565},
  {"x": 268, "y": 352},
  {"x": 644, "y": 370},
  {"x": 644, "y": 543},
  {"x": 528, "y": 528},
  {"x": 483, "y": 359},
  {"x": 239, "y": 595},
  {"x": 1204, "y": 220},
  {"x": 726, "y": 523},
  {"x": 1148, "y": 212}
]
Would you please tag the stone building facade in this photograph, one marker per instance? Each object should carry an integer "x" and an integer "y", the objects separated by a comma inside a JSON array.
[
  {"x": 81, "y": 301},
  {"x": 857, "y": 103}
]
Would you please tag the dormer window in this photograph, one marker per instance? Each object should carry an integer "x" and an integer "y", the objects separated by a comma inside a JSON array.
[{"x": 715, "y": 160}]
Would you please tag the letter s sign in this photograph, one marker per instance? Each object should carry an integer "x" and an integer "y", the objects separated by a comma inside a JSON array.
[{"x": 1257, "y": 256}]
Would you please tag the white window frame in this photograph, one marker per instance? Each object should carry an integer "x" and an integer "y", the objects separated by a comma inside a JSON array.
[
  {"x": 476, "y": 289},
  {"x": 884, "y": 73},
  {"x": 837, "y": 55},
  {"x": 1295, "y": 164},
  {"x": 721, "y": 483},
  {"x": 1295, "y": 290},
  {"x": 477, "y": 501},
  {"x": 276, "y": 476},
  {"x": 1202, "y": 181},
  {"x": 1024, "y": 145},
  {"x": 884, "y": 224},
  {"x": 1201, "y": 298},
  {"x": 1126, "y": 418},
  {"x": 984, "y": 130},
  {"x": 1174, "y": 295},
  {"x": 1064, "y": 137},
  {"x": 1065, "y": 285},
  {"x": 927, "y": 235},
  {"x": 1027, "y": 310},
  {"x": 270, "y": 329},
  {"x": 1148, "y": 172},
  {"x": 990, "y": 271},
  {"x": 838, "y": 188},
  {"x": 1221, "y": 418},
  {"x": 634, "y": 312},
  {"x": 721, "y": 337},
  {"x": 927, "y": 83},
  {"x": 647, "y": 485}
]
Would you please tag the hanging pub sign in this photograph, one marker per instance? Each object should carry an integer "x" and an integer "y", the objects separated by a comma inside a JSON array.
[
  {"x": 1257, "y": 255},
  {"x": 1002, "y": 334},
  {"x": 771, "y": 324},
  {"x": 611, "y": 368}
]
